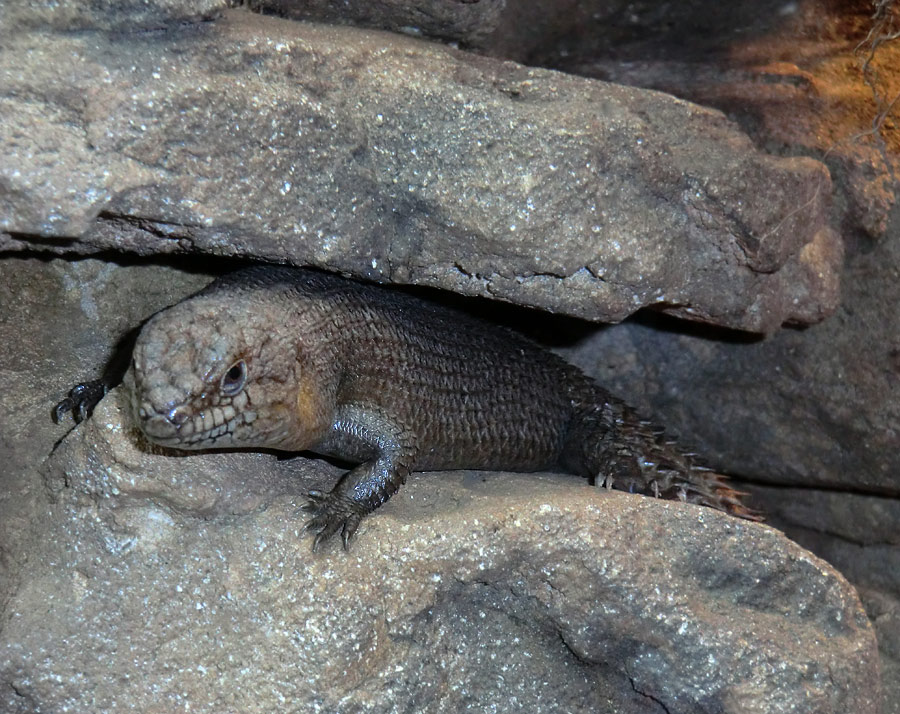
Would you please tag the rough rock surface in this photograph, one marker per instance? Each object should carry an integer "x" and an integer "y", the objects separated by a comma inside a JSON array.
[
  {"x": 814, "y": 409},
  {"x": 153, "y": 579},
  {"x": 400, "y": 160},
  {"x": 805, "y": 77},
  {"x": 58, "y": 319},
  {"x": 122, "y": 16},
  {"x": 473, "y": 24},
  {"x": 761, "y": 63},
  {"x": 464, "y": 589},
  {"x": 542, "y": 33},
  {"x": 817, "y": 409}
]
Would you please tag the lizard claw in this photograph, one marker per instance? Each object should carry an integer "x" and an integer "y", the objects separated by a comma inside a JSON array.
[
  {"x": 81, "y": 401},
  {"x": 331, "y": 513}
]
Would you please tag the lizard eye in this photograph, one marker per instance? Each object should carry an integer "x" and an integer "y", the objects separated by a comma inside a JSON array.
[{"x": 233, "y": 381}]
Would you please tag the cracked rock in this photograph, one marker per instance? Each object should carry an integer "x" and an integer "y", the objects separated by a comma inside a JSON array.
[
  {"x": 399, "y": 160},
  {"x": 467, "y": 591}
]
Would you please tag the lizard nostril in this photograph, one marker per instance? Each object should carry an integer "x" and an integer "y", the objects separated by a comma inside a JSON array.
[{"x": 177, "y": 415}]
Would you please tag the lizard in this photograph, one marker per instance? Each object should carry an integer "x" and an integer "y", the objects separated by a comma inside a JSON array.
[{"x": 295, "y": 359}]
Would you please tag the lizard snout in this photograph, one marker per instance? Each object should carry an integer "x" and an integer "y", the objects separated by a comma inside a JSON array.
[{"x": 162, "y": 426}]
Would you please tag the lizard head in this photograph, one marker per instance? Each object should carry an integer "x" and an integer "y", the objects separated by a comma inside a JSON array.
[{"x": 212, "y": 372}]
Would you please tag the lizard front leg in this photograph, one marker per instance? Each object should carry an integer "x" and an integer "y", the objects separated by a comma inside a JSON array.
[
  {"x": 83, "y": 397},
  {"x": 388, "y": 452}
]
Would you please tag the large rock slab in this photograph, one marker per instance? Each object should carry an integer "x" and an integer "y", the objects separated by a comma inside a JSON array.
[
  {"x": 789, "y": 75},
  {"x": 552, "y": 33},
  {"x": 149, "y": 579},
  {"x": 810, "y": 415},
  {"x": 395, "y": 159},
  {"x": 122, "y": 16},
  {"x": 814, "y": 408},
  {"x": 166, "y": 580},
  {"x": 472, "y": 24}
]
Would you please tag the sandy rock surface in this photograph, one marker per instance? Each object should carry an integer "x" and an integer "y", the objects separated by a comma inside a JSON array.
[
  {"x": 187, "y": 134},
  {"x": 400, "y": 160}
]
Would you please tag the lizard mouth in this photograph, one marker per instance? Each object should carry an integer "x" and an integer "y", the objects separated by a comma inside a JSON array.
[{"x": 186, "y": 429}]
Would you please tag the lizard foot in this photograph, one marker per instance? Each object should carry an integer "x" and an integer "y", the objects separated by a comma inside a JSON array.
[
  {"x": 332, "y": 512},
  {"x": 81, "y": 401}
]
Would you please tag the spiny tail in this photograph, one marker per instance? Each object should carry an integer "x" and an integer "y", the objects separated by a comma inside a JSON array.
[{"x": 609, "y": 443}]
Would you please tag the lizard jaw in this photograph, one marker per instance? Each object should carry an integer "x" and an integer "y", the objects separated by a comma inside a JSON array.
[{"x": 184, "y": 428}]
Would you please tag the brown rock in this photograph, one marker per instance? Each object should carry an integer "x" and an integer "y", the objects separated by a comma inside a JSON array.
[
  {"x": 149, "y": 579},
  {"x": 471, "y": 23},
  {"x": 817, "y": 407},
  {"x": 506, "y": 590},
  {"x": 120, "y": 16},
  {"x": 58, "y": 319},
  {"x": 814, "y": 409},
  {"x": 791, "y": 74},
  {"x": 399, "y": 160}
]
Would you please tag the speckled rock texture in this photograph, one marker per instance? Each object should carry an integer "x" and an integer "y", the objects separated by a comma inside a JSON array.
[
  {"x": 102, "y": 543},
  {"x": 148, "y": 580},
  {"x": 472, "y": 24},
  {"x": 552, "y": 33},
  {"x": 400, "y": 160},
  {"x": 804, "y": 77},
  {"x": 818, "y": 407},
  {"x": 118, "y": 16},
  {"x": 809, "y": 416},
  {"x": 761, "y": 63}
]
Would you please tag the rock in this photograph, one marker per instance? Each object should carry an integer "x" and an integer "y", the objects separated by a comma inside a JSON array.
[
  {"x": 812, "y": 408},
  {"x": 470, "y": 23},
  {"x": 857, "y": 534},
  {"x": 120, "y": 16},
  {"x": 138, "y": 570},
  {"x": 58, "y": 324},
  {"x": 551, "y": 34},
  {"x": 399, "y": 160},
  {"x": 807, "y": 102},
  {"x": 869, "y": 557},
  {"x": 816, "y": 409},
  {"x": 765, "y": 67},
  {"x": 467, "y": 591},
  {"x": 859, "y": 519}
]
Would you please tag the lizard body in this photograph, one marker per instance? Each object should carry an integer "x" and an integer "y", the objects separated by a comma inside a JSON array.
[{"x": 293, "y": 359}]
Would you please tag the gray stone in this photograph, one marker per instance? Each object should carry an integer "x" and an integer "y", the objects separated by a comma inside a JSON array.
[
  {"x": 558, "y": 33},
  {"x": 467, "y": 591},
  {"x": 779, "y": 70},
  {"x": 149, "y": 579},
  {"x": 814, "y": 408},
  {"x": 399, "y": 160},
  {"x": 860, "y": 535},
  {"x": 120, "y": 16},
  {"x": 58, "y": 324},
  {"x": 471, "y": 23},
  {"x": 873, "y": 565}
]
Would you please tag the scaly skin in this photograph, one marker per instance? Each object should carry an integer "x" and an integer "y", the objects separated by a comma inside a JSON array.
[{"x": 298, "y": 360}]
